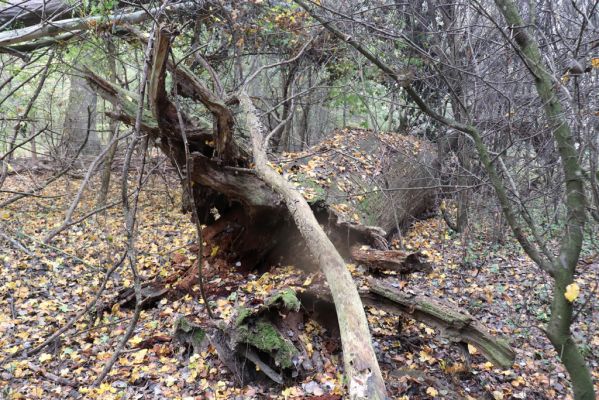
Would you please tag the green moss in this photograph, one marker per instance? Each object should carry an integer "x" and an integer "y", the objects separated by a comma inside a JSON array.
[
  {"x": 255, "y": 329},
  {"x": 265, "y": 337},
  {"x": 368, "y": 207},
  {"x": 287, "y": 298},
  {"x": 320, "y": 193},
  {"x": 242, "y": 314},
  {"x": 188, "y": 333},
  {"x": 199, "y": 335},
  {"x": 183, "y": 324}
]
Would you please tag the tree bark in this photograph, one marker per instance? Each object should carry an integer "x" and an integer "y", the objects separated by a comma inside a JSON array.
[
  {"x": 76, "y": 131},
  {"x": 113, "y": 126}
]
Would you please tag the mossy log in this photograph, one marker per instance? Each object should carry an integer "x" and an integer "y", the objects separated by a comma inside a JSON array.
[
  {"x": 254, "y": 334},
  {"x": 454, "y": 323}
]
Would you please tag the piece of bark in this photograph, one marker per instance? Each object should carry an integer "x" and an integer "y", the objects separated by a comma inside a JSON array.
[{"x": 393, "y": 260}]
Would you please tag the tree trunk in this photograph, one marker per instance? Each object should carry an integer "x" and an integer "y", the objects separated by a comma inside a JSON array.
[
  {"x": 82, "y": 103},
  {"x": 361, "y": 366},
  {"x": 113, "y": 126},
  {"x": 564, "y": 266}
]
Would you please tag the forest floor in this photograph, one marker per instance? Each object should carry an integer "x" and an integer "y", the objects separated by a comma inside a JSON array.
[{"x": 42, "y": 290}]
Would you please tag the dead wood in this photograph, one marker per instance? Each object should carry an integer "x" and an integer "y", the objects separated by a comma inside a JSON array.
[
  {"x": 392, "y": 260},
  {"x": 452, "y": 322},
  {"x": 249, "y": 208},
  {"x": 361, "y": 366}
]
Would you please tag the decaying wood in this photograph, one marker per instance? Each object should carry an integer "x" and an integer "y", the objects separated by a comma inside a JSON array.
[
  {"x": 454, "y": 323},
  {"x": 392, "y": 260},
  {"x": 227, "y": 187}
]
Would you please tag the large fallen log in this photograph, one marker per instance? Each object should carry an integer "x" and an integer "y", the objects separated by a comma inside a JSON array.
[
  {"x": 378, "y": 179},
  {"x": 249, "y": 209}
]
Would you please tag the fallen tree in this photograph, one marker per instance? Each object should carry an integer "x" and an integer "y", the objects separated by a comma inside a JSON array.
[
  {"x": 259, "y": 218},
  {"x": 254, "y": 226}
]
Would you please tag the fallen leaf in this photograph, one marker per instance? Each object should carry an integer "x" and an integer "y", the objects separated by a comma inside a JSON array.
[{"x": 572, "y": 292}]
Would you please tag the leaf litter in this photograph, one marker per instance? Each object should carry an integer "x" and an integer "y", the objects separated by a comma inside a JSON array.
[{"x": 43, "y": 288}]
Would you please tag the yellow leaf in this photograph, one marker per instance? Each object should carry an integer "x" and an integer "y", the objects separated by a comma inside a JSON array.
[
  {"x": 105, "y": 388},
  {"x": 488, "y": 366},
  {"x": 170, "y": 381},
  {"x": 431, "y": 391},
  {"x": 5, "y": 215},
  {"x": 565, "y": 78},
  {"x": 572, "y": 292},
  {"x": 45, "y": 357},
  {"x": 595, "y": 62},
  {"x": 472, "y": 349},
  {"x": 139, "y": 356},
  {"x": 135, "y": 340},
  {"x": 308, "y": 281},
  {"x": 214, "y": 251}
]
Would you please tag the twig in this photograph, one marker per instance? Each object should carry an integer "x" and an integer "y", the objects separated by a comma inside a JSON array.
[
  {"x": 16, "y": 244},
  {"x": 55, "y": 378},
  {"x": 253, "y": 357}
]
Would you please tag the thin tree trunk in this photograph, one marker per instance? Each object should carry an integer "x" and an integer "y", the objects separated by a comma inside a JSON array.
[
  {"x": 562, "y": 267},
  {"x": 114, "y": 127},
  {"x": 364, "y": 376},
  {"x": 558, "y": 329},
  {"x": 82, "y": 101},
  {"x": 33, "y": 150}
]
